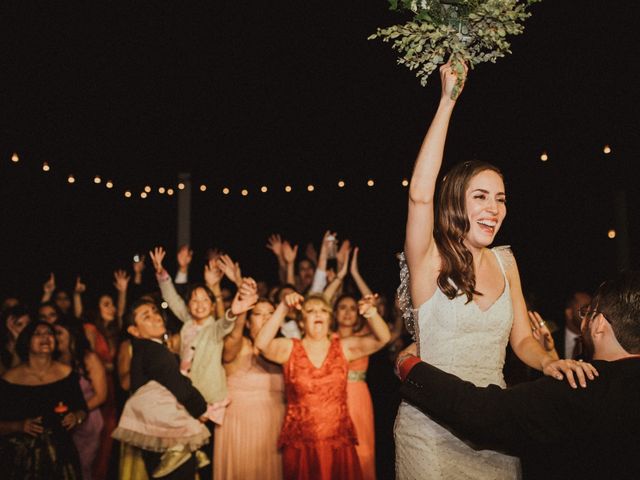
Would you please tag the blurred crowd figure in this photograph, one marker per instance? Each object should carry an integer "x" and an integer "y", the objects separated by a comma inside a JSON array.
[{"x": 255, "y": 380}]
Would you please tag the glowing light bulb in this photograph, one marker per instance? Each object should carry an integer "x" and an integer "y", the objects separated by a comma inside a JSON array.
[
  {"x": 164, "y": 305},
  {"x": 310, "y": 188},
  {"x": 147, "y": 189},
  {"x": 161, "y": 190},
  {"x": 169, "y": 191},
  {"x": 97, "y": 179},
  {"x": 181, "y": 186},
  {"x": 264, "y": 189},
  {"x": 341, "y": 184},
  {"x": 15, "y": 158},
  {"x": 45, "y": 167},
  {"x": 244, "y": 192},
  {"x": 109, "y": 184},
  {"x": 287, "y": 188},
  {"x": 143, "y": 194},
  {"x": 71, "y": 179},
  {"x": 203, "y": 188},
  {"x": 127, "y": 194},
  {"x": 370, "y": 183},
  {"x": 544, "y": 157},
  {"x": 405, "y": 182},
  {"x": 611, "y": 233},
  {"x": 607, "y": 149},
  {"x": 226, "y": 191}
]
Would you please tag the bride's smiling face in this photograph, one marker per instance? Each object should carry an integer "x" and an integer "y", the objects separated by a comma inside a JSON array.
[{"x": 485, "y": 203}]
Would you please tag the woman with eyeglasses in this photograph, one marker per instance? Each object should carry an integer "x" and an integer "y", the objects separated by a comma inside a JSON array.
[
  {"x": 40, "y": 405},
  {"x": 468, "y": 301}
]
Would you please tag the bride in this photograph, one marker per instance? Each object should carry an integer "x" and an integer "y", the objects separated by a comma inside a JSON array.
[{"x": 469, "y": 302}]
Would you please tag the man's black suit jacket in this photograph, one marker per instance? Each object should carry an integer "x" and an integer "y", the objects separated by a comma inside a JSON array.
[
  {"x": 153, "y": 361},
  {"x": 557, "y": 431}
]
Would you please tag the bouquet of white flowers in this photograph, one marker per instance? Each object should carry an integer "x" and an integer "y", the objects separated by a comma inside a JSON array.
[{"x": 471, "y": 31}]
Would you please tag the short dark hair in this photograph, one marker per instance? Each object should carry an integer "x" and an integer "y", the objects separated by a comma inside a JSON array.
[
  {"x": 619, "y": 300},
  {"x": 129, "y": 320},
  {"x": 195, "y": 286},
  {"x": 23, "y": 343}
]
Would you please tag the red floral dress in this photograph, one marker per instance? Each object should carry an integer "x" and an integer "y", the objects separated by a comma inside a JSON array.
[{"x": 318, "y": 437}]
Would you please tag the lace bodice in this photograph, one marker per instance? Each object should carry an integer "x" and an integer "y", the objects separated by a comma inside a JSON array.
[{"x": 461, "y": 339}]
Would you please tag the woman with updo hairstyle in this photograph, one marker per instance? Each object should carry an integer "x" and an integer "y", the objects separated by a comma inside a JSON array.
[
  {"x": 467, "y": 298},
  {"x": 318, "y": 438}
]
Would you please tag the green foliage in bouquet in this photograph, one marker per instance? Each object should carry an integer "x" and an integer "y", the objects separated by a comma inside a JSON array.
[{"x": 471, "y": 31}]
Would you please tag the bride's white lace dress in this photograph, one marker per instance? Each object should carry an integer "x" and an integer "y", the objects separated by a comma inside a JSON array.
[{"x": 461, "y": 339}]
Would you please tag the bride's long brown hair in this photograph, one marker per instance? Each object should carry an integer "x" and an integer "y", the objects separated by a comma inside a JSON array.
[{"x": 451, "y": 227}]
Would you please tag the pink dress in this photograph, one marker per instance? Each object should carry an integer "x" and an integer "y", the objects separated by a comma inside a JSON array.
[
  {"x": 246, "y": 445},
  {"x": 86, "y": 437},
  {"x": 153, "y": 420},
  {"x": 361, "y": 412}
]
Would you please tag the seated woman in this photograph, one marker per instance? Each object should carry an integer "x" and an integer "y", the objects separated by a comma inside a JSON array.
[
  {"x": 318, "y": 437},
  {"x": 40, "y": 403}
]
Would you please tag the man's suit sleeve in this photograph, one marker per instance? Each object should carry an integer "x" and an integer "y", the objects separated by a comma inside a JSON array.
[
  {"x": 540, "y": 412},
  {"x": 162, "y": 367}
]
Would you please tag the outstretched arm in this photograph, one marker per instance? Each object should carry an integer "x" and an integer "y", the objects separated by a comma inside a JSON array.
[
  {"x": 121, "y": 283},
  {"x": 245, "y": 299},
  {"x": 78, "y": 290},
  {"x": 356, "y": 347},
  {"x": 212, "y": 278},
  {"x": 419, "y": 243},
  {"x": 278, "y": 350},
  {"x": 355, "y": 274},
  {"x": 48, "y": 288},
  {"x": 175, "y": 301}
]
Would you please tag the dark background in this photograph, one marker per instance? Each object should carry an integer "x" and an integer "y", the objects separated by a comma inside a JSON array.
[{"x": 242, "y": 94}]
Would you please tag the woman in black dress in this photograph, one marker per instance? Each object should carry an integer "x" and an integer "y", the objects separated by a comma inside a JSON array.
[{"x": 40, "y": 402}]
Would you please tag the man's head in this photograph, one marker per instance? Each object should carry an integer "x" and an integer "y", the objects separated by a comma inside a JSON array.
[
  {"x": 145, "y": 320},
  {"x": 611, "y": 326},
  {"x": 574, "y": 303}
]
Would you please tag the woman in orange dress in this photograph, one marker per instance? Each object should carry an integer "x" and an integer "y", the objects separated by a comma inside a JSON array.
[
  {"x": 246, "y": 444},
  {"x": 318, "y": 438},
  {"x": 349, "y": 323}
]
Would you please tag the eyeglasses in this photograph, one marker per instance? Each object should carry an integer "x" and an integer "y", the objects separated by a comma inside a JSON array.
[{"x": 587, "y": 312}]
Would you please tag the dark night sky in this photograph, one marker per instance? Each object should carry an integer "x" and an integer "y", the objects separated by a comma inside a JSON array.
[{"x": 243, "y": 94}]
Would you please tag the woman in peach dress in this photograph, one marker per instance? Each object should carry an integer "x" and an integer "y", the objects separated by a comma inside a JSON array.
[{"x": 246, "y": 444}]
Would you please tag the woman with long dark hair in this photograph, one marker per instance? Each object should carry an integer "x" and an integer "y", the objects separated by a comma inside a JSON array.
[{"x": 469, "y": 301}]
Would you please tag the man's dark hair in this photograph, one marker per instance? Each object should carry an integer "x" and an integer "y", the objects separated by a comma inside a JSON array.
[
  {"x": 129, "y": 319},
  {"x": 619, "y": 301}
]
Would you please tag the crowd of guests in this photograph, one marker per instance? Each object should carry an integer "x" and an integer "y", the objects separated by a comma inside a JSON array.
[{"x": 219, "y": 373}]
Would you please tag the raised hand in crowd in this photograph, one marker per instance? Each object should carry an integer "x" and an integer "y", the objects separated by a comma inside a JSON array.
[
  {"x": 354, "y": 269},
  {"x": 289, "y": 253},
  {"x": 246, "y": 296},
  {"x": 48, "y": 288},
  {"x": 335, "y": 284},
  {"x": 157, "y": 256},
  {"x": 138, "y": 268},
  {"x": 274, "y": 243},
  {"x": 79, "y": 288},
  {"x": 230, "y": 269},
  {"x": 212, "y": 278},
  {"x": 121, "y": 282}
]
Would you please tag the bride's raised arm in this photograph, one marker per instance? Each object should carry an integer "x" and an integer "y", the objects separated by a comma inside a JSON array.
[{"x": 419, "y": 243}]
